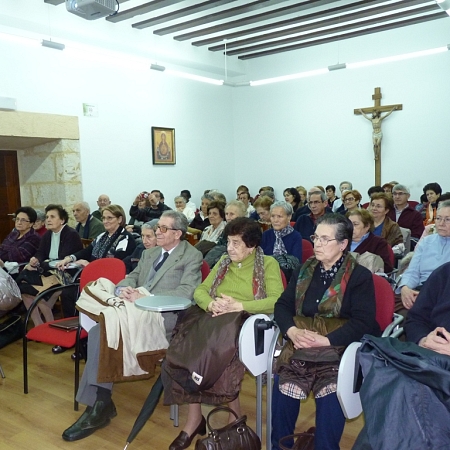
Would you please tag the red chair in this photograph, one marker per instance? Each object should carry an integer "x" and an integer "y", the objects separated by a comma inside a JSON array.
[
  {"x": 205, "y": 270},
  {"x": 391, "y": 256},
  {"x": 307, "y": 250},
  {"x": 385, "y": 300},
  {"x": 111, "y": 268}
]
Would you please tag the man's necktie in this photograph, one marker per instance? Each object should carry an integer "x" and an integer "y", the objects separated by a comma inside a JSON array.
[{"x": 165, "y": 256}]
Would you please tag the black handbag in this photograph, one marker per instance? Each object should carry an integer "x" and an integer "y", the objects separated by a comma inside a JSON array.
[
  {"x": 234, "y": 436},
  {"x": 303, "y": 441}
]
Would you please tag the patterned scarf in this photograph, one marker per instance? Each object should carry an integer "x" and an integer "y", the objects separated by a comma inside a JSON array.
[
  {"x": 258, "y": 275},
  {"x": 279, "y": 248},
  {"x": 106, "y": 243},
  {"x": 330, "y": 304}
]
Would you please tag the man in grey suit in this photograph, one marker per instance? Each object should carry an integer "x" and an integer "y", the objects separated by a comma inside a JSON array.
[{"x": 171, "y": 268}]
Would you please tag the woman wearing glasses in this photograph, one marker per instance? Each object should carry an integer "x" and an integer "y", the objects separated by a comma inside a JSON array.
[
  {"x": 59, "y": 240},
  {"x": 351, "y": 200},
  {"x": 22, "y": 243},
  {"x": 328, "y": 304}
]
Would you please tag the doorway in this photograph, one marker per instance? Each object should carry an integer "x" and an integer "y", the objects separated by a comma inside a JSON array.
[{"x": 9, "y": 191}]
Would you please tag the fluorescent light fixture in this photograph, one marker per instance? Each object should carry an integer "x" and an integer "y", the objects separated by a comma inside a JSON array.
[
  {"x": 53, "y": 44},
  {"x": 403, "y": 57},
  {"x": 157, "y": 67},
  {"x": 239, "y": 84},
  {"x": 337, "y": 67},
  {"x": 294, "y": 76},
  {"x": 444, "y": 5},
  {"x": 8, "y": 104},
  {"x": 194, "y": 77}
]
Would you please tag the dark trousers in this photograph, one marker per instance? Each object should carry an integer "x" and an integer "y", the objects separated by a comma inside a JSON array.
[{"x": 330, "y": 419}]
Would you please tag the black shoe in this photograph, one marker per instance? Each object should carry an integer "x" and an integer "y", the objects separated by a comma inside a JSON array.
[
  {"x": 100, "y": 415},
  {"x": 183, "y": 440},
  {"x": 75, "y": 432},
  {"x": 57, "y": 349}
]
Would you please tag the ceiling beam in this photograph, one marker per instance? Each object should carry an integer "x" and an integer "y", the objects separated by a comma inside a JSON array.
[
  {"x": 390, "y": 26},
  {"x": 360, "y": 16},
  {"x": 141, "y": 9}
]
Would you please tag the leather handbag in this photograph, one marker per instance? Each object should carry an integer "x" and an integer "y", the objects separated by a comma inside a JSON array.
[
  {"x": 303, "y": 441},
  {"x": 234, "y": 436}
]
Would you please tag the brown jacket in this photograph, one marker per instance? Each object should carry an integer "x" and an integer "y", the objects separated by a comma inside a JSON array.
[{"x": 391, "y": 232}]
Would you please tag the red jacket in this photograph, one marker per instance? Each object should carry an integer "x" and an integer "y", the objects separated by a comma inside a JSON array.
[{"x": 411, "y": 219}]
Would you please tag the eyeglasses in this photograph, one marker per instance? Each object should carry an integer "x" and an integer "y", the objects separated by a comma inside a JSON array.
[
  {"x": 108, "y": 219},
  {"x": 445, "y": 220},
  {"x": 316, "y": 202},
  {"x": 399, "y": 193},
  {"x": 349, "y": 199},
  {"x": 164, "y": 229},
  {"x": 323, "y": 240},
  {"x": 17, "y": 219}
]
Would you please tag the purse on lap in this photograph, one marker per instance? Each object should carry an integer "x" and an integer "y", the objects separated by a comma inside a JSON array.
[{"x": 234, "y": 436}]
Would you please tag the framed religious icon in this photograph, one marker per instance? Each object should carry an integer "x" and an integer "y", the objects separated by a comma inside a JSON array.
[{"x": 163, "y": 142}]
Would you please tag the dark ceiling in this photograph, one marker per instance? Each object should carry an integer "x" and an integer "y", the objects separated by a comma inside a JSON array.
[{"x": 260, "y": 28}]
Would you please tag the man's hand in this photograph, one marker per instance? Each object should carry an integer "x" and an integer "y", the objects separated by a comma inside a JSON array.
[
  {"x": 438, "y": 340},
  {"x": 408, "y": 296},
  {"x": 130, "y": 294}
]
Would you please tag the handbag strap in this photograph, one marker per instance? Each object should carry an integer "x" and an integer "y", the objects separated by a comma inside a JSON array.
[{"x": 219, "y": 409}]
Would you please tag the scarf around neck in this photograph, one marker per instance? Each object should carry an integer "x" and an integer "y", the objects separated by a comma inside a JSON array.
[
  {"x": 258, "y": 275},
  {"x": 86, "y": 227},
  {"x": 279, "y": 248},
  {"x": 331, "y": 302},
  {"x": 106, "y": 243}
]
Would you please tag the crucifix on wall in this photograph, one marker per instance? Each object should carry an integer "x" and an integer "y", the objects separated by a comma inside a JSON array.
[{"x": 376, "y": 120}]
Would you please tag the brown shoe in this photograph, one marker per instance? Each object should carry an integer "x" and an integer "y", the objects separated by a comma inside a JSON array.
[{"x": 183, "y": 440}]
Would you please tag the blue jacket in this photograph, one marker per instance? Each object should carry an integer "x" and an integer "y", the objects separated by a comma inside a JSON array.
[{"x": 292, "y": 242}]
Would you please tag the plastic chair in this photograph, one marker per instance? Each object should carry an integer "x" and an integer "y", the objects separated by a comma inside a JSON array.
[
  {"x": 307, "y": 250},
  {"x": 111, "y": 268}
]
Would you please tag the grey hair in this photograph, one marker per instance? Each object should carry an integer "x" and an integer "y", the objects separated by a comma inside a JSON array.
[
  {"x": 443, "y": 204},
  {"x": 269, "y": 194},
  {"x": 179, "y": 220},
  {"x": 400, "y": 187},
  {"x": 85, "y": 205},
  {"x": 208, "y": 196},
  {"x": 180, "y": 197},
  {"x": 323, "y": 196},
  {"x": 282, "y": 204},
  {"x": 219, "y": 196},
  {"x": 239, "y": 205},
  {"x": 40, "y": 215},
  {"x": 149, "y": 225},
  {"x": 343, "y": 226},
  {"x": 346, "y": 182}
]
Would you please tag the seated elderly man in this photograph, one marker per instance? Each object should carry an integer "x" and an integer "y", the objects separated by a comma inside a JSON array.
[
  {"x": 430, "y": 253},
  {"x": 306, "y": 224},
  {"x": 157, "y": 207},
  {"x": 172, "y": 268},
  {"x": 88, "y": 226},
  {"x": 305, "y": 209},
  {"x": 103, "y": 200},
  {"x": 233, "y": 209},
  {"x": 405, "y": 215}
]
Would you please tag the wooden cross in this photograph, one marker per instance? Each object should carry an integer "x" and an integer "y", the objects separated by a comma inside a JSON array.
[{"x": 376, "y": 120}]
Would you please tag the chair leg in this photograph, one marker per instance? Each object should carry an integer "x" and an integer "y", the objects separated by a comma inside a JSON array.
[
  {"x": 25, "y": 364},
  {"x": 259, "y": 406},
  {"x": 77, "y": 368},
  {"x": 1, "y": 372},
  {"x": 174, "y": 415}
]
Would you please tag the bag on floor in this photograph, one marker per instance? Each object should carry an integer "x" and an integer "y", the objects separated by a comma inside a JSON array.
[
  {"x": 234, "y": 436},
  {"x": 11, "y": 330},
  {"x": 303, "y": 441},
  {"x": 9, "y": 292}
]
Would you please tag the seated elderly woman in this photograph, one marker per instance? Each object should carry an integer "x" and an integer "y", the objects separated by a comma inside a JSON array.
[
  {"x": 23, "y": 241},
  {"x": 365, "y": 241},
  {"x": 180, "y": 205},
  {"x": 212, "y": 233},
  {"x": 380, "y": 205},
  {"x": 115, "y": 242},
  {"x": 350, "y": 200},
  {"x": 431, "y": 252},
  {"x": 58, "y": 241},
  {"x": 282, "y": 239},
  {"x": 243, "y": 280},
  {"x": 328, "y": 304},
  {"x": 39, "y": 224},
  {"x": 262, "y": 210},
  {"x": 148, "y": 237},
  {"x": 201, "y": 221}
]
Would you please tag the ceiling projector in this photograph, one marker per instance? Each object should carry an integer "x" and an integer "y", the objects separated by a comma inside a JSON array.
[{"x": 91, "y": 9}]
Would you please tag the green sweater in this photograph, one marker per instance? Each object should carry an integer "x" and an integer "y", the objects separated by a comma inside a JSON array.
[{"x": 238, "y": 284}]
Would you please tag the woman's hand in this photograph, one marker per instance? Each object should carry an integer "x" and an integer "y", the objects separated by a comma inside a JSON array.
[
  {"x": 62, "y": 265},
  {"x": 33, "y": 264},
  {"x": 408, "y": 296},
  {"x": 82, "y": 262},
  {"x": 306, "y": 339},
  {"x": 438, "y": 340},
  {"x": 225, "y": 304}
]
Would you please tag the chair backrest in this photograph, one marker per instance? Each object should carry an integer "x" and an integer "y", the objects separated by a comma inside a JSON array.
[
  {"x": 283, "y": 279},
  {"x": 205, "y": 270},
  {"x": 365, "y": 205},
  {"x": 86, "y": 242},
  {"x": 391, "y": 255},
  {"x": 384, "y": 297},
  {"x": 307, "y": 250},
  {"x": 406, "y": 233},
  {"x": 111, "y": 268}
]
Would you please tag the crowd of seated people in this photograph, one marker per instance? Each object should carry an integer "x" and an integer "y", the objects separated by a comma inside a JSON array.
[{"x": 374, "y": 230}]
